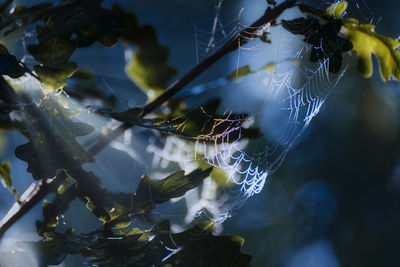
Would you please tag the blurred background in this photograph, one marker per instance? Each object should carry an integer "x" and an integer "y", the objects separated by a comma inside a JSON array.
[{"x": 334, "y": 201}]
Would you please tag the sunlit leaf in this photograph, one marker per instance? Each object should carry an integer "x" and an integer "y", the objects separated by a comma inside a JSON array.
[
  {"x": 336, "y": 10},
  {"x": 367, "y": 42},
  {"x": 53, "y": 55},
  {"x": 148, "y": 66},
  {"x": 148, "y": 70},
  {"x": 54, "y": 78}
]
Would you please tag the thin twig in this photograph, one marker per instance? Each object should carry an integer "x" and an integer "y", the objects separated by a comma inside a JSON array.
[{"x": 36, "y": 192}]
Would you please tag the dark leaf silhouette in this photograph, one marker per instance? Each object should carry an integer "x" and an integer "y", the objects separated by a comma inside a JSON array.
[
  {"x": 151, "y": 192},
  {"x": 155, "y": 247},
  {"x": 51, "y": 135},
  {"x": 10, "y": 66},
  {"x": 325, "y": 40}
]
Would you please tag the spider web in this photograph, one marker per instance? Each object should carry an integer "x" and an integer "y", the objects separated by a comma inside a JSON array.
[
  {"x": 209, "y": 41},
  {"x": 293, "y": 94}
]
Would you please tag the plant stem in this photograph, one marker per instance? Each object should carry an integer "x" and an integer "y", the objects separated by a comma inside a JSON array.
[{"x": 36, "y": 192}]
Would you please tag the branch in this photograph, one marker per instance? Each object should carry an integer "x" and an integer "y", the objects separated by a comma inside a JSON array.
[
  {"x": 33, "y": 195},
  {"x": 36, "y": 192}
]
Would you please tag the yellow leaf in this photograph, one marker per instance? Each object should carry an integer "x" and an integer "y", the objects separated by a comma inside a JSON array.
[
  {"x": 336, "y": 10},
  {"x": 115, "y": 213},
  {"x": 367, "y": 42},
  {"x": 270, "y": 67},
  {"x": 54, "y": 78},
  {"x": 239, "y": 73}
]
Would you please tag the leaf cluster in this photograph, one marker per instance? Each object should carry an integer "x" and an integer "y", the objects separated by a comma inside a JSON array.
[
  {"x": 341, "y": 34},
  {"x": 63, "y": 27},
  {"x": 135, "y": 247},
  {"x": 155, "y": 247},
  {"x": 325, "y": 40}
]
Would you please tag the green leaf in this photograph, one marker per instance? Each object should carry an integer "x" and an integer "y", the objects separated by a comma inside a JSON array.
[
  {"x": 53, "y": 52},
  {"x": 367, "y": 42},
  {"x": 151, "y": 192},
  {"x": 175, "y": 185},
  {"x": 117, "y": 213},
  {"x": 90, "y": 22},
  {"x": 148, "y": 69},
  {"x": 54, "y": 78}
]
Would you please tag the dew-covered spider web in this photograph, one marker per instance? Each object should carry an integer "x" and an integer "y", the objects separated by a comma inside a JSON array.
[
  {"x": 279, "y": 95},
  {"x": 268, "y": 98},
  {"x": 266, "y": 103}
]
